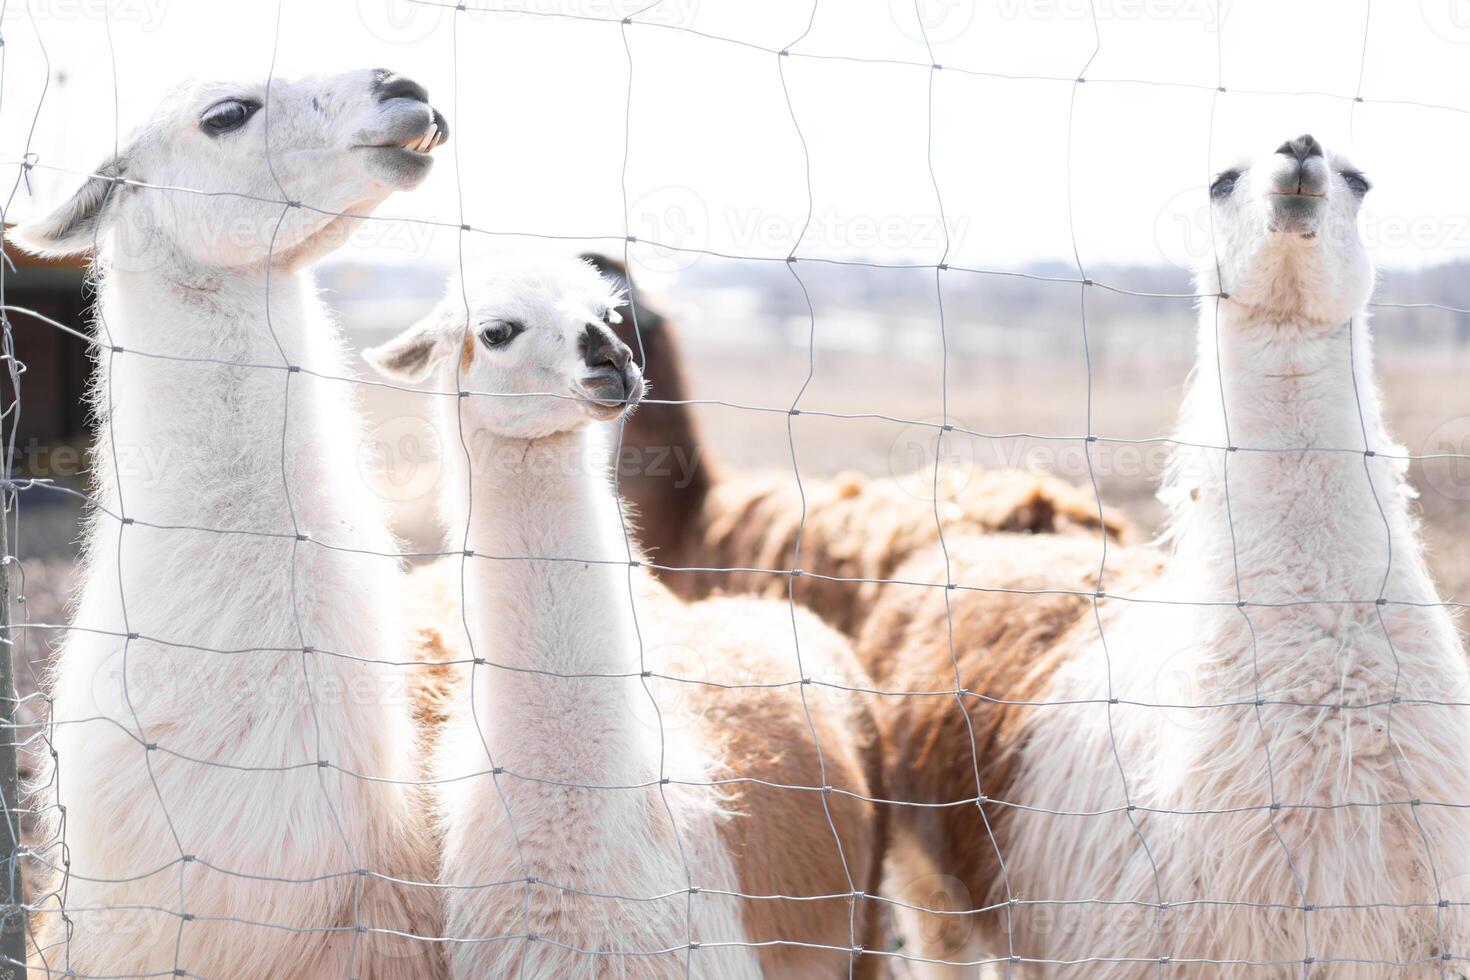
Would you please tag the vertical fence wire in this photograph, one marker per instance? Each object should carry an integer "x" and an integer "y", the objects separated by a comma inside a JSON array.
[
  {"x": 12, "y": 807},
  {"x": 691, "y": 935}
]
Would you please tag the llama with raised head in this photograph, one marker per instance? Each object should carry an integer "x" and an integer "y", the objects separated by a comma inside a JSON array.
[
  {"x": 565, "y": 856},
  {"x": 1259, "y": 767},
  {"x": 232, "y": 745}
]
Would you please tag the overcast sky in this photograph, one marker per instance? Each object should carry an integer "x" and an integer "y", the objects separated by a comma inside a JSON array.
[{"x": 540, "y": 104}]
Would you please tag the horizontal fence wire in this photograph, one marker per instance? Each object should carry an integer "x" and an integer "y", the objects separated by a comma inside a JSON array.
[{"x": 36, "y": 736}]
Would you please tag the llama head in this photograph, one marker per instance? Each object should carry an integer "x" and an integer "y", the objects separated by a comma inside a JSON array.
[
  {"x": 204, "y": 183},
  {"x": 535, "y": 334},
  {"x": 1286, "y": 237}
]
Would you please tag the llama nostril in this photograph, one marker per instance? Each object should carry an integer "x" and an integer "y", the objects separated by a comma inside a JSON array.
[
  {"x": 600, "y": 349},
  {"x": 391, "y": 85},
  {"x": 1301, "y": 148}
]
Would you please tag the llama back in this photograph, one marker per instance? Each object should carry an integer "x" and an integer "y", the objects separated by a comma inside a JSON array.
[{"x": 861, "y": 528}]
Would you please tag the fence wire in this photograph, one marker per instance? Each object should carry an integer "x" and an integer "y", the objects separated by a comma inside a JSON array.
[{"x": 50, "y": 858}]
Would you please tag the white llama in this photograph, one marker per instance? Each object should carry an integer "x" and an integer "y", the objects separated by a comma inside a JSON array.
[
  {"x": 1286, "y": 777},
  {"x": 231, "y": 746},
  {"x": 574, "y": 861}
]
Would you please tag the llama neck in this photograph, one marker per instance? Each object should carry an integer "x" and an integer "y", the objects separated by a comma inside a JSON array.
[
  {"x": 547, "y": 498},
  {"x": 559, "y": 634},
  {"x": 202, "y": 422},
  {"x": 253, "y": 314},
  {"x": 1303, "y": 514}
]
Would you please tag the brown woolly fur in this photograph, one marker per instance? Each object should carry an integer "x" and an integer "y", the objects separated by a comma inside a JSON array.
[
  {"x": 441, "y": 673},
  {"x": 467, "y": 352},
  {"x": 695, "y": 516},
  {"x": 1007, "y": 643},
  {"x": 856, "y": 528},
  {"x": 731, "y": 667},
  {"x": 781, "y": 837}
]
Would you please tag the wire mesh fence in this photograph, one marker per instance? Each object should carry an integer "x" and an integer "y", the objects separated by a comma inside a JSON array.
[{"x": 211, "y": 780}]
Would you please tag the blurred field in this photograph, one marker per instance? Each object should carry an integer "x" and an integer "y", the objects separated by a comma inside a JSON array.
[
  {"x": 1426, "y": 396},
  {"x": 1133, "y": 397}
]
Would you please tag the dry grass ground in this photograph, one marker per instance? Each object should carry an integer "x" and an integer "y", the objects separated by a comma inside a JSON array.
[{"x": 1427, "y": 399}]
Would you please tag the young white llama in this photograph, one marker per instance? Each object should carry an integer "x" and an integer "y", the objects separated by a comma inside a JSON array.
[
  {"x": 231, "y": 773},
  {"x": 1298, "y": 776},
  {"x": 574, "y": 861}
]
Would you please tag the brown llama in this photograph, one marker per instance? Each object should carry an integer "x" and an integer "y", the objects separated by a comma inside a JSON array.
[{"x": 702, "y": 518}]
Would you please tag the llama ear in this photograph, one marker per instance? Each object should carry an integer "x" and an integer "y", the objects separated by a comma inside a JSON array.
[
  {"x": 72, "y": 229},
  {"x": 410, "y": 357}
]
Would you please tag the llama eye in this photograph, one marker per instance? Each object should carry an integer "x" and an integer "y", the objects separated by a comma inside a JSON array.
[
  {"x": 1224, "y": 184},
  {"x": 1356, "y": 182},
  {"x": 498, "y": 333},
  {"x": 227, "y": 116}
]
